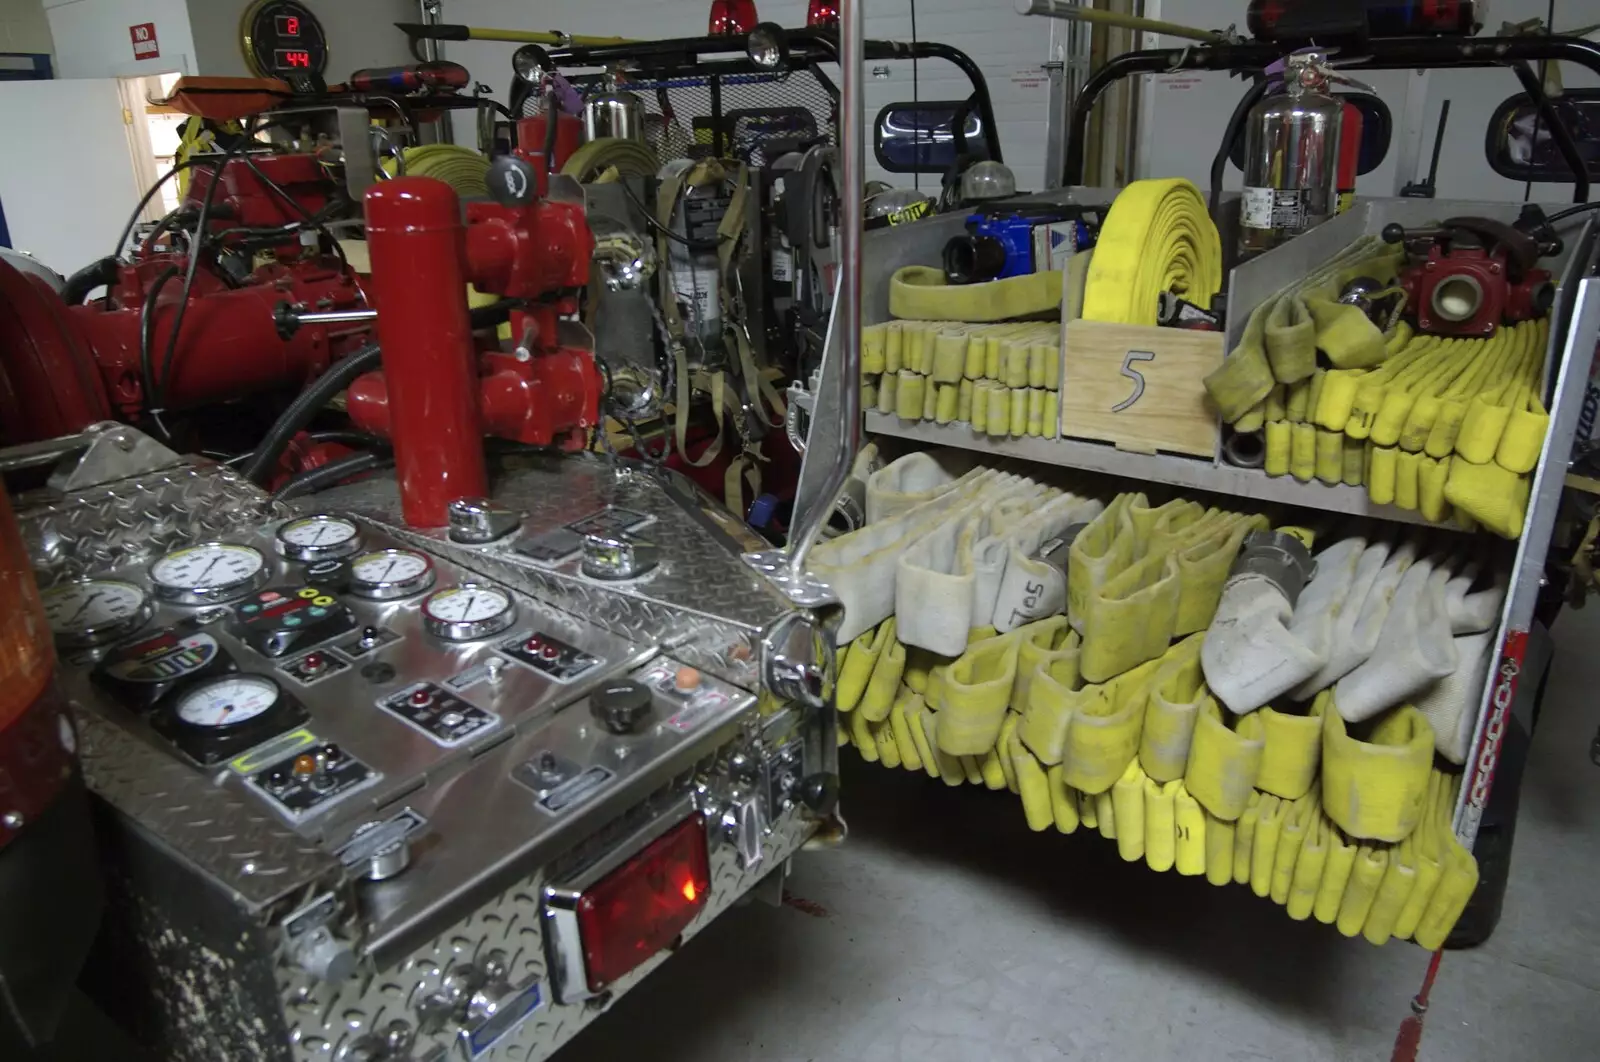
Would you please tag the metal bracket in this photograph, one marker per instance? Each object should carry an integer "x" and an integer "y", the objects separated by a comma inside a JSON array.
[{"x": 101, "y": 453}]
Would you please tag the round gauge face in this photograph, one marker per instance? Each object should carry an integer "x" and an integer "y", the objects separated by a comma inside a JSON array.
[
  {"x": 95, "y": 610},
  {"x": 468, "y": 611},
  {"x": 315, "y": 537},
  {"x": 211, "y": 571},
  {"x": 229, "y": 701},
  {"x": 390, "y": 573},
  {"x": 283, "y": 37},
  {"x": 467, "y": 604}
]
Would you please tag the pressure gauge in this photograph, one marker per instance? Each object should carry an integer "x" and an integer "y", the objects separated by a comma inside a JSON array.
[
  {"x": 95, "y": 611},
  {"x": 318, "y": 537},
  {"x": 387, "y": 574},
  {"x": 471, "y": 610},
  {"x": 228, "y": 701},
  {"x": 208, "y": 573}
]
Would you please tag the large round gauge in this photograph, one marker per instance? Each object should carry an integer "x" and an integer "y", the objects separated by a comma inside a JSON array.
[
  {"x": 95, "y": 611},
  {"x": 318, "y": 537},
  {"x": 387, "y": 574},
  {"x": 227, "y": 701},
  {"x": 283, "y": 37},
  {"x": 471, "y": 610},
  {"x": 208, "y": 573}
]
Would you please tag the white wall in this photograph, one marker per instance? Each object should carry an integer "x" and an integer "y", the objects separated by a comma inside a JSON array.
[
  {"x": 1184, "y": 114},
  {"x": 24, "y": 27},
  {"x": 65, "y": 207},
  {"x": 91, "y": 37},
  {"x": 1008, "y": 47},
  {"x": 360, "y": 33}
]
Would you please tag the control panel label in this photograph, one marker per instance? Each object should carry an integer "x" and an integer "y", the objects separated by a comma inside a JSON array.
[
  {"x": 308, "y": 781},
  {"x": 374, "y": 837},
  {"x": 438, "y": 713},
  {"x": 697, "y": 711},
  {"x": 610, "y": 522},
  {"x": 507, "y": 1016},
  {"x": 549, "y": 655},
  {"x": 166, "y": 657},
  {"x": 570, "y": 794},
  {"x": 276, "y": 749}
]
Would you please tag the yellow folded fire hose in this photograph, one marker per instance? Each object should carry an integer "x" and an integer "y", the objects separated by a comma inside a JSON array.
[{"x": 1157, "y": 237}]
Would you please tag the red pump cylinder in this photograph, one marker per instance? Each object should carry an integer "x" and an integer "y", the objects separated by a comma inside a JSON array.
[{"x": 416, "y": 238}]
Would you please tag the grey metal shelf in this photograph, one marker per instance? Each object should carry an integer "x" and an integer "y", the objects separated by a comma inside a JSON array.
[{"x": 1194, "y": 473}]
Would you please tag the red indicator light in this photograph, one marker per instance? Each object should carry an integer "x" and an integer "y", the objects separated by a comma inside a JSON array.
[
  {"x": 643, "y": 905},
  {"x": 291, "y": 26}
]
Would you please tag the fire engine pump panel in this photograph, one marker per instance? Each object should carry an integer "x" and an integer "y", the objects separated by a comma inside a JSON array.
[{"x": 433, "y": 698}]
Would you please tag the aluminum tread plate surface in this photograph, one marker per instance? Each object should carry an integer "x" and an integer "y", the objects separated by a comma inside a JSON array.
[
  {"x": 324, "y": 1024},
  {"x": 240, "y": 846}
]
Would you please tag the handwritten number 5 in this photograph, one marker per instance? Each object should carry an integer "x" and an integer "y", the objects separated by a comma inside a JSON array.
[{"x": 1135, "y": 375}]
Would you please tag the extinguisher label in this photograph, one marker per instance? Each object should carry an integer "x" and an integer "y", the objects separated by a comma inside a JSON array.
[{"x": 1274, "y": 208}]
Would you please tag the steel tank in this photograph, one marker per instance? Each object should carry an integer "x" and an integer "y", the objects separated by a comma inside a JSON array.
[
  {"x": 1291, "y": 157},
  {"x": 612, "y": 112}
]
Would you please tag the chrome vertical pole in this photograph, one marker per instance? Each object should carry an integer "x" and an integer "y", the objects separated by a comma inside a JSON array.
[{"x": 836, "y": 424}]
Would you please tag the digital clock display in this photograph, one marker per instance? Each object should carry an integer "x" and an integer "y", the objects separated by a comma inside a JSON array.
[{"x": 282, "y": 38}]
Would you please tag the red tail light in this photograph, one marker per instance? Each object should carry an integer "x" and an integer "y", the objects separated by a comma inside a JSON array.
[
  {"x": 823, "y": 14},
  {"x": 27, "y": 655},
  {"x": 613, "y": 924},
  {"x": 730, "y": 17}
]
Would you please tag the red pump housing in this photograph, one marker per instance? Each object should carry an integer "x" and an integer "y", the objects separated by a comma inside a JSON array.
[{"x": 437, "y": 394}]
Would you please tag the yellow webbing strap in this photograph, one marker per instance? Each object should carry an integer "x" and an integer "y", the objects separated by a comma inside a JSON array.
[
  {"x": 922, "y": 293},
  {"x": 1157, "y": 237}
]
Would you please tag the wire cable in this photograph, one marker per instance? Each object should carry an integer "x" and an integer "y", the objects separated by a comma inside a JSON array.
[
  {"x": 328, "y": 475},
  {"x": 196, "y": 252},
  {"x": 649, "y": 216},
  {"x": 147, "y": 318}
]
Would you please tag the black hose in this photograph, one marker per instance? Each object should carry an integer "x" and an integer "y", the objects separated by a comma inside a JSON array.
[
  {"x": 331, "y": 473},
  {"x": 305, "y": 406},
  {"x": 1219, "y": 162},
  {"x": 196, "y": 249},
  {"x": 147, "y": 323},
  {"x": 96, "y": 274}
]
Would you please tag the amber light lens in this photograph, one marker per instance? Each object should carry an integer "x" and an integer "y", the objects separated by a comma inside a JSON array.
[{"x": 26, "y": 652}]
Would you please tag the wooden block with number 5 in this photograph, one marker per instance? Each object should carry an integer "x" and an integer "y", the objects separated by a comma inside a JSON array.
[{"x": 1140, "y": 387}]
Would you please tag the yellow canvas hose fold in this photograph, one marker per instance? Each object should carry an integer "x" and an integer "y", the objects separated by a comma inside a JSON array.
[
  {"x": 1457, "y": 879},
  {"x": 1244, "y": 838},
  {"x": 1490, "y": 494},
  {"x": 1221, "y": 835},
  {"x": 923, "y": 293},
  {"x": 1190, "y": 840},
  {"x": 910, "y": 751},
  {"x": 1426, "y": 855},
  {"x": 977, "y": 695},
  {"x": 1297, "y": 820},
  {"x": 1127, "y": 797},
  {"x": 885, "y": 681},
  {"x": 1050, "y": 641},
  {"x": 1366, "y": 874},
  {"x": 1490, "y": 409},
  {"x": 1132, "y": 618},
  {"x": 1399, "y": 879},
  {"x": 1064, "y": 801},
  {"x": 1488, "y": 364},
  {"x": 1160, "y": 821},
  {"x": 1099, "y": 552},
  {"x": 1309, "y": 866},
  {"x": 1291, "y": 749},
  {"x": 1223, "y": 763},
  {"x": 1203, "y": 563},
  {"x": 1008, "y": 730},
  {"x": 1374, "y": 790},
  {"x": 1157, "y": 236},
  {"x": 1337, "y": 865},
  {"x": 1264, "y": 849},
  {"x": 855, "y": 669},
  {"x": 1371, "y": 387},
  {"x": 1103, "y": 736},
  {"x": 1053, "y": 697},
  {"x": 1171, "y": 709},
  {"x": 1033, "y": 787},
  {"x": 1525, "y": 429}
]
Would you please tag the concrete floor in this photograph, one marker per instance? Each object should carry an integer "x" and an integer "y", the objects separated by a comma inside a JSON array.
[{"x": 944, "y": 929}]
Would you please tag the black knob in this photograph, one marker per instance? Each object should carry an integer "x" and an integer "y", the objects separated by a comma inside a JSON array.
[
  {"x": 511, "y": 181},
  {"x": 1394, "y": 232},
  {"x": 621, "y": 706},
  {"x": 820, "y": 792},
  {"x": 286, "y": 320}
]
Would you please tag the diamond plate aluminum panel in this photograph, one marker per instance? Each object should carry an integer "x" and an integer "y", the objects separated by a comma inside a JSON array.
[
  {"x": 702, "y": 594},
  {"x": 138, "y": 518},
  {"x": 240, "y": 847},
  {"x": 327, "y": 1024}
]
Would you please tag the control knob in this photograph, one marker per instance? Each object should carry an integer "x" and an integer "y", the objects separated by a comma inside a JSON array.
[
  {"x": 621, "y": 706},
  {"x": 475, "y": 521}
]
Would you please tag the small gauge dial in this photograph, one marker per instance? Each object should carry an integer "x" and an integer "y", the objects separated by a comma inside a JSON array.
[
  {"x": 319, "y": 537},
  {"x": 227, "y": 702},
  {"x": 387, "y": 574},
  {"x": 471, "y": 610},
  {"x": 208, "y": 573},
  {"x": 95, "y": 611}
]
